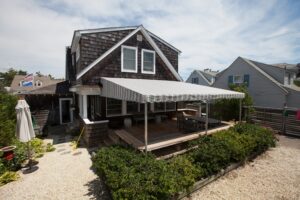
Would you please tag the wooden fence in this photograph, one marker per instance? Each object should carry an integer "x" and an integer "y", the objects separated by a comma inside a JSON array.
[{"x": 281, "y": 120}]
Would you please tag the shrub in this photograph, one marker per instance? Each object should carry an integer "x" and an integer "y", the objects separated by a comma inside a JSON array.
[
  {"x": 261, "y": 138},
  {"x": 8, "y": 177},
  {"x": 132, "y": 175},
  {"x": 7, "y": 118},
  {"x": 211, "y": 156},
  {"x": 2, "y": 167},
  {"x": 50, "y": 148}
]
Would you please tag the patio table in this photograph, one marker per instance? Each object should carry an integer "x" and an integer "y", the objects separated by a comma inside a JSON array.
[{"x": 202, "y": 120}]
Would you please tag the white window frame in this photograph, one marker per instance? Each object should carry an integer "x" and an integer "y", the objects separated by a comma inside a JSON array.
[
  {"x": 77, "y": 53},
  {"x": 142, "y": 61},
  {"x": 136, "y": 59},
  {"x": 237, "y": 82}
]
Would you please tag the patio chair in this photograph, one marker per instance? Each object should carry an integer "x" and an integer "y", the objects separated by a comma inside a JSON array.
[
  {"x": 180, "y": 120},
  {"x": 190, "y": 126}
]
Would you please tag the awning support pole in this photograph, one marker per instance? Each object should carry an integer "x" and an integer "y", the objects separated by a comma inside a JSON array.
[
  {"x": 206, "y": 118},
  {"x": 240, "y": 111},
  {"x": 146, "y": 127},
  {"x": 200, "y": 110}
]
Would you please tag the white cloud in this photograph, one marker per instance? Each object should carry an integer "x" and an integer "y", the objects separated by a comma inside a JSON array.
[{"x": 33, "y": 35}]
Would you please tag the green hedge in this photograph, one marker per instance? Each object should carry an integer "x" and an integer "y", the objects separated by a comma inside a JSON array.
[{"x": 132, "y": 175}]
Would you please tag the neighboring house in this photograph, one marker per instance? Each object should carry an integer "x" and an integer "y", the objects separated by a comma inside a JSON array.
[
  {"x": 49, "y": 99},
  {"x": 270, "y": 86},
  {"x": 18, "y": 87},
  {"x": 206, "y": 77}
]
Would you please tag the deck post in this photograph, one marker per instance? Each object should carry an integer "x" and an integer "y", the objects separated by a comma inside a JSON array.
[
  {"x": 240, "y": 111},
  {"x": 206, "y": 118},
  {"x": 146, "y": 127},
  {"x": 200, "y": 110}
]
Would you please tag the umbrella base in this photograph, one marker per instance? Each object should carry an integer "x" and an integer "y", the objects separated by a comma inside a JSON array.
[{"x": 30, "y": 169}]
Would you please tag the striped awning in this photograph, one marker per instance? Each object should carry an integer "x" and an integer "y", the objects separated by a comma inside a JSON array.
[{"x": 146, "y": 90}]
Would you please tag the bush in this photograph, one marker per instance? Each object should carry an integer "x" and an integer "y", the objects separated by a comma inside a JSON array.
[
  {"x": 211, "y": 156},
  {"x": 7, "y": 118},
  {"x": 8, "y": 177},
  {"x": 132, "y": 175}
]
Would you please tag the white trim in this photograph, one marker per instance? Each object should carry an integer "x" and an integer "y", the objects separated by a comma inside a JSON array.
[
  {"x": 237, "y": 82},
  {"x": 265, "y": 74},
  {"x": 77, "y": 52},
  {"x": 90, "y": 66},
  {"x": 84, "y": 105},
  {"x": 150, "y": 40},
  {"x": 200, "y": 73},
  {"x": 164, "y": 42},
  {"x": 60, "y": 109},
  {"x": 160, "y": 53},
  {"x": 136, "y": 59},
  {"x": 77, "y": 34},
  {"x": 87, "y": 121},
  {"x": 154, "y": 63}
]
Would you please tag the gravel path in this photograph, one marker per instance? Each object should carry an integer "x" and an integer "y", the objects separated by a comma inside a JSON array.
[
  {"x": 62, "y": 174},
  {"x": 273, "y": 175}
]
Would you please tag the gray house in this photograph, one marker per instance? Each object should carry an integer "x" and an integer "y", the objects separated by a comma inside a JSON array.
[
  {"x": 206, "y": 77},
  {"x": 271, "y": 86}
]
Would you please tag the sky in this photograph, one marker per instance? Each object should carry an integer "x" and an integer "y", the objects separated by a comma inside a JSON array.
[{"x": 210, "y": 33}]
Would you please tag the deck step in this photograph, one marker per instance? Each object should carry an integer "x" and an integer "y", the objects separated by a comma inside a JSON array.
[
  {"x": 114, "y": 137},
  {"x": 129, "y": 139}
]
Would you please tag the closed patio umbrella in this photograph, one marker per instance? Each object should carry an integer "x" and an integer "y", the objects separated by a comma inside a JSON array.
[{"x": 24, "y": 130}]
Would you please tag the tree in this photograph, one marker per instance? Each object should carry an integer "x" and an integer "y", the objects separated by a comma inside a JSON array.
[
  {"x": 228, "y": 109},
  {"x": 7, "y": 118},
  {"x": 7, "y": 77}
]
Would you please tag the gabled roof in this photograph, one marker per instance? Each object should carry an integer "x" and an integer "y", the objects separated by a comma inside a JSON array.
[
  {"x": 46, "y": 80},
  {"x": 78, "y": 33},
  {"x": 265, "y": 74},
  {"x": 61, "y": 88},
  {"x": 204, "y": 78},
  {"x": 149, "y": 39}
]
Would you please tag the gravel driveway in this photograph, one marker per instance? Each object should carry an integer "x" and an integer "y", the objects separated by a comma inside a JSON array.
[
  {"x": 273, "y": 175},
  {"x": 62, "y": 174}
]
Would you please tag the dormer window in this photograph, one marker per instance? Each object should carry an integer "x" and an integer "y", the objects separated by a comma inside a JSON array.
[
  {"x": 38, "y": 83},
  {"x": 129, "y": 59},
  {"x": 148, "y": 61}
]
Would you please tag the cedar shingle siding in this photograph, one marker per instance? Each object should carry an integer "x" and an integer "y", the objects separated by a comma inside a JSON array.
[{"x": 94, "y": 45}]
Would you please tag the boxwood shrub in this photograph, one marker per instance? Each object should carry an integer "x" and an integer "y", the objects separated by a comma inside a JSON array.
[{"x": 133, "y": 175}]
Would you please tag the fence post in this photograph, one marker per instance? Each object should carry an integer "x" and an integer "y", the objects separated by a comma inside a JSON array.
[{"x": 285, "y": 114}]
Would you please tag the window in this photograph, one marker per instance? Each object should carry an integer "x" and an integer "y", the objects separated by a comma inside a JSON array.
[
  {"x": 132, "y": 107},
  {"x": 195, "y": 80},
  {"x": 237, "y": 79},
  {"x": 159, "y": 106},
  {"x": 113, "y": 107},
  {"x": 170, "y": 106},
  {"x": 148, "y": 61},
  {"x": 77, "y": 53},
  {"x": 98, "y": 106},
  {"x": 38, "y": 83},
  {"x": 129, "y": 59}
]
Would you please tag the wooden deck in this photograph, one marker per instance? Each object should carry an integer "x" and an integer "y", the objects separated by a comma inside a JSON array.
[{"x": 161, "y": 135}]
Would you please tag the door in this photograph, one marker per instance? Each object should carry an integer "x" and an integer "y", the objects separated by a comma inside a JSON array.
[{"x": 65, "y": 111}]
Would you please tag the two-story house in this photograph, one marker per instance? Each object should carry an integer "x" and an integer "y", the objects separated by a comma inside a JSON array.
[
  {"x": 126, "y": 75},
  {"x": 202, "y": 77},
  {"x": 270, "y": 86}
]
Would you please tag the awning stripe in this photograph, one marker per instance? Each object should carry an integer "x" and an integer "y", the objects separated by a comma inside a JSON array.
[{"x": 145, "y": 90}]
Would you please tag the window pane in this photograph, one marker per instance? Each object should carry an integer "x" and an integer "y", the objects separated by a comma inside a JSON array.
[
  {"x": 170, "y": 106},
  {"x": 114, "y": 106},
  {"x": 148, "y": 61},
  {"x": 159, "y": 106},
  {"x": 132, "y": 107},
  {"x": 129, "y": 59}
]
